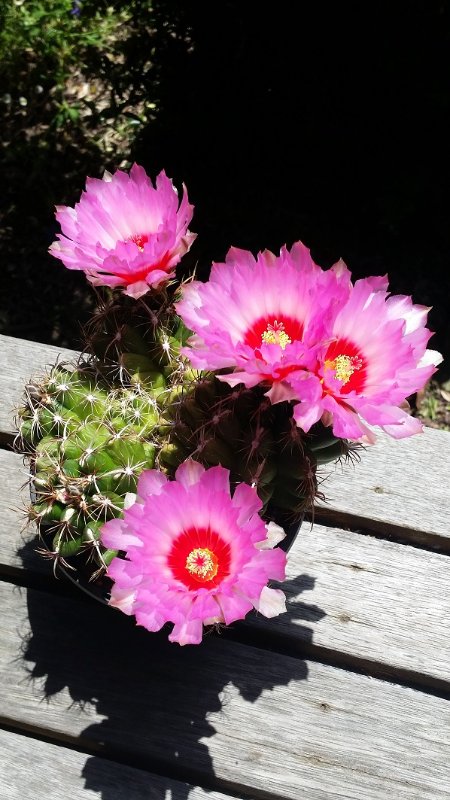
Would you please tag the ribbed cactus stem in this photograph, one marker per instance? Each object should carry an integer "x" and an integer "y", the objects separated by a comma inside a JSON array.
[{"x": 88, "y": 445}]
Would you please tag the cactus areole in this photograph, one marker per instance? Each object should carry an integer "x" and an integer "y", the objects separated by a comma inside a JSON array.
[{"x": 168, "y": 464}]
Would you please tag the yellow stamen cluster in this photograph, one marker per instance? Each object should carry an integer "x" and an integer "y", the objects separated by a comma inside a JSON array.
[
  {"x": 202, "y": 564},
  {"x": 344, "y": 367},
  {"x": 275, "y": 334}
]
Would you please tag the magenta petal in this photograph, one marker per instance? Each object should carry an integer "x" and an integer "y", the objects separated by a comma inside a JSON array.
[
  {"x": 123, "y": 600},
  {"x": 307, "y": 414},
  {"x": 125, "y": 232},
  {"x": 187, "y": 632},
  {"x": 216, "y": 480},
  {"x": 246, "y": 499},
  {"x": 189, "y": 473},
  {"x": 116, "y": 535},
  {"x": 151, "y": 481},
  {"x": 233, "y": 607},
  {"x": 280, "y": 392},
  {"x": 174, "y": 531},
  {"x": 408, "y": 426}
]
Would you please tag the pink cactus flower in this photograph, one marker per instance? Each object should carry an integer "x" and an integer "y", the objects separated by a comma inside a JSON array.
[
  {"x": 258, "y": 317},
  {"x": 374, "y": 357},
  {"x": 195, "y": 556},
  {"x": 124, "y": 232}
]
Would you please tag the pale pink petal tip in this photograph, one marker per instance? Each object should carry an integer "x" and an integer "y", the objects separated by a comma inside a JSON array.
[
  {"x": 334, "y": 350},
  {"x": 194, "y": 554}
]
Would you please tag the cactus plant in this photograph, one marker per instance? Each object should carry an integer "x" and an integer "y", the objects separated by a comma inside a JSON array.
[
  {"x": 258, "y": 442},
  {"x": 136, "y": 338},
  {"x": 87, "y": 443},
  {"x": 286, "y": 364}
]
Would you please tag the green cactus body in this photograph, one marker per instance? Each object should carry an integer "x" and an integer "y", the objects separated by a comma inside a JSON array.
[
  {"x": 138, "y": 340},
  {"x": 88, "y": 444},
  {"x": 89, "y": 441}
]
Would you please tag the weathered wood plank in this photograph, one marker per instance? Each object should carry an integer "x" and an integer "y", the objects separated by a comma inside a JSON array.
[
  {"x": 366, "y": 598},
  {"x": 20, "y": 360},
  {"x": 14, "y": 498},
  {"x": 257, "y": 721},
  {"x": 402, "y": 486},
  {"x": 31, "y": 770},
  {"x": 370, "y": 599}
]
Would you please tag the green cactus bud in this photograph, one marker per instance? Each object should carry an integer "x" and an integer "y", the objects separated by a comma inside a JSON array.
[
  {"x": 109, "y": 504},
  {"x": 49, "y": 447},
  {"x": 28, "y": 431},
  {"x": 49, "y": 512},
  {"x": 67, "y": 547},
  {"x": 91, "y": 435},
  {"x": 97, "y": 462},
  {"x": 108, "y": 556},
  {"x": 92, "y": 531},
  {"x": 153, "y": 379},
  {"x": 70, "y": 449},
  {"x": 85, "y": 402},
  {"x": 45, "y": 480},
  {"x": 56, "y": 421}
]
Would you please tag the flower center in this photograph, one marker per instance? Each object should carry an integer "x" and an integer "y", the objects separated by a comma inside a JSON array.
[
  {"x": 202, "y": 564},
  {"x": 139, "y": 239},
  {"x": 141, "y": 274},
  {"x": 200, "y": 557},
  {"x": 276, "y": 334},
  {"x": 344, "y": 367},
  {"x": 267, "y": 330}
]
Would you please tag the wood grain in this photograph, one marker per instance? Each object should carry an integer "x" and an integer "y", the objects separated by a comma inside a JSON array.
[
  {"x": 369, "y": 599},
  {"x": 359, "y": 596},
  {"x": 14, "y": 499},
  {"x": 400, "y": 486},
  {"x": 21, "y": 360},
  {"x": 257, "y": 722},
  {"x": 32, "y": 770},
  {"x": 233, "y": 717}
]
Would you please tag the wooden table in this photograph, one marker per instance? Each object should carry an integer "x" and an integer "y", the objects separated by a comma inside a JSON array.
[{"x": 344, "y": 696}]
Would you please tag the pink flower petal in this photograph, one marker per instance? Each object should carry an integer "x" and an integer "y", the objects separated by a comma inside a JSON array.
[
  {"x": 194, "y": 553},
  {"x": 124, "y": 232},
  {"x": 275, "y": 535},
  {"x": 271, "y": 602},
  {"x": 187, "y": 632},
  {"x": 189, "y": 473},
  {"x": 151, "y": 481}
]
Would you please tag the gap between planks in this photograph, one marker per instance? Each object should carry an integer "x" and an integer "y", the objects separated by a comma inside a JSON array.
[
  {"x": 355, "y": 600},
  {"x": 80, "y": 775},
  {"x": 400, "y": 488},
  {"x": 263, "y": 724}
]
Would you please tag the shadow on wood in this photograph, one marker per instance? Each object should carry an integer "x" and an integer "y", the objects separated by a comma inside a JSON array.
[{"x": 112, "y": 689}]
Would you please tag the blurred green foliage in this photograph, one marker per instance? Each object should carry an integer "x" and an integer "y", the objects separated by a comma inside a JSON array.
[
  {"x": 43, "y": 41},
  {"x": 283, "y": 124}
]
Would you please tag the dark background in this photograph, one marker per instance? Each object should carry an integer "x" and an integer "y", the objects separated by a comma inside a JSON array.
[{"x": 323, "y": 122}]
